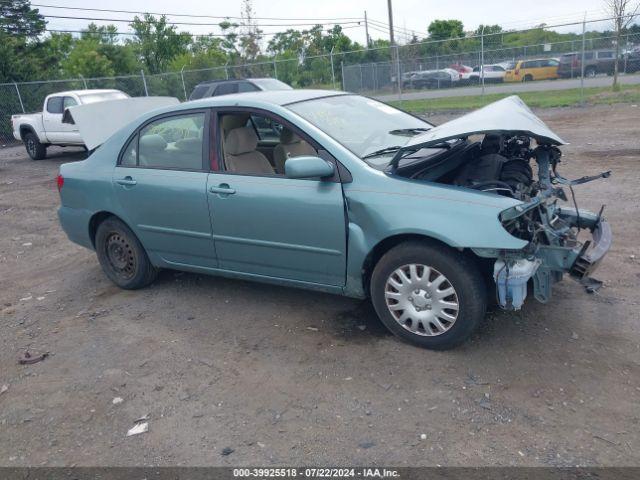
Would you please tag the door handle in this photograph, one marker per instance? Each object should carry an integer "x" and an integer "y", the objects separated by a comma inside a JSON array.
[
  {"x": 222, "y": 189},
  {"x": 127, "y": 181}
]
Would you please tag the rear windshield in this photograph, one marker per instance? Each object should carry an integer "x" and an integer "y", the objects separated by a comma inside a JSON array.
[
  {"x": 270, "y": 84},
  {"x": 199, "y": 92}
]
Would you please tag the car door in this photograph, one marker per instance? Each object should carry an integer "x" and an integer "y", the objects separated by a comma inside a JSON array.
[
  {"x": 52, "y": 118},
  {"x": 270, "y": 225},
  {"x": 160, "y": 184}
]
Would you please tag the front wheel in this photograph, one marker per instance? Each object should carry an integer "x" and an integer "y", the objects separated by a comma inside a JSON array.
[
  {"x": 122, "y": 256},
  {"x": 428, "y": 295},
  {"x": 35, "y": 149}
]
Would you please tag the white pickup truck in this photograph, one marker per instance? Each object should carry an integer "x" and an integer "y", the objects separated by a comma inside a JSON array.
[{"x": 39, "y": 130}]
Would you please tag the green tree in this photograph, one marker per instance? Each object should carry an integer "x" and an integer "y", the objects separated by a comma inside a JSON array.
[
  {"x": 445, "y": 29},
  {"x": 157, "y": 43},
  {"x": 18, "y": 18}
]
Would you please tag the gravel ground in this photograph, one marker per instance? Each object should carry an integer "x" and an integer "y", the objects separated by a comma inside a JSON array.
[{"x": 284, "y": 376}]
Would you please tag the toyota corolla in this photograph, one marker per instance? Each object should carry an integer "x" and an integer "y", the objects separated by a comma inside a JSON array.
[{"x": 339, "y": 193}]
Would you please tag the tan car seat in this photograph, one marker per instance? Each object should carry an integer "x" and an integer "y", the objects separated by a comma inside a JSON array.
[
  {"x": 291, "y": 145},
  {"x": 240, "y": 152}
]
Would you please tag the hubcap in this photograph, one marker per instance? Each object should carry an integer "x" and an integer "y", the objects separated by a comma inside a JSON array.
[
  {"x": 31, "y": 145},
  {"x": 120, "y": 256},
  {"x": 421, "y": 299}
]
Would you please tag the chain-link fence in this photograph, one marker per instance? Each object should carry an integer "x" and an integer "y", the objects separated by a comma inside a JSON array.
[{"x": 397, "y": 72}]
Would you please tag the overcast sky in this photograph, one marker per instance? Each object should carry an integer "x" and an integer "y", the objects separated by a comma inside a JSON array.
[{"x": 409, "y": 15}]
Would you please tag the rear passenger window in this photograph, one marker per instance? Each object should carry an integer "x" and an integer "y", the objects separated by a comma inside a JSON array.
[
  {"x": 172, "y": 143},
  {"x": 129, "y": 155},
  {"x": 247, "y": 87},
  {"x": 54, "y": 105},
  {"x": 226, "y": 89},
  {"x": 605, "y": 54},
  {"x": 199, "y": 92}
]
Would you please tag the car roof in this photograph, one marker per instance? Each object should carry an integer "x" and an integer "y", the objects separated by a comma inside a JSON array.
[
  {"x": 225, "y": 80},
  {"x": 87, "y": 92},
  {"x": 274, "y": 97}
]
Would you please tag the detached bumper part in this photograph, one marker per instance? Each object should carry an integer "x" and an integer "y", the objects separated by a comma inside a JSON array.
[{"x": 511, "y": 279}]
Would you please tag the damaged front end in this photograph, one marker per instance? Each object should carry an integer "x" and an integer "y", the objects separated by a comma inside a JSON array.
[
  {"x": 494, "y": 150},
  {"x": 560, "y": 239}
]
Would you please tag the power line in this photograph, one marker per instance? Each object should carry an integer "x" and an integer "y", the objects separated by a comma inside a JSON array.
[
  {"x": 123, "y": 20},
  {"x": 189, "y": 15},
  {"x": 205, "y": 35}
]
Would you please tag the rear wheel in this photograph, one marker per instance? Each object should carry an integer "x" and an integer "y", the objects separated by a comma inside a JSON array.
[
  {"x": 428, "y": 295},
  {"x": 122, "y": 256},
  {"x": 35, "y": 149},
  {"x": 528, "y": 78},
  {"x": 590, "y": 72}
]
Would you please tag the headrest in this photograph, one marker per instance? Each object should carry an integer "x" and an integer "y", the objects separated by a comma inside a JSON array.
[
  {"x": 191, "y": 145},
  {"x": 229, "y": 122},
  {"x": 241, "y": 140},
  {"x": 287, "y": 136},
  {"x": 153, "y": 143}
]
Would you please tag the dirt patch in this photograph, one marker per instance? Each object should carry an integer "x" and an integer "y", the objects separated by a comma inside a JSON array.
[{"x": 286, "y": 376}]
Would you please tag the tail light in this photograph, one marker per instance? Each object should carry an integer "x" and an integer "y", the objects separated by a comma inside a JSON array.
[{"x": 60, "y": 182}]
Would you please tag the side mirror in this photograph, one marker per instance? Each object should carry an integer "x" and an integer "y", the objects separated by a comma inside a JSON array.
[{"x": 307, "y": 167}]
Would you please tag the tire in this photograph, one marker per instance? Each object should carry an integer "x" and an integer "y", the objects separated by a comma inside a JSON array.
[
  {"x": 429, "y": 322},
  {"x": 122, "y": 256},
  {"x": 35, "y": 149},
  {"x": 528, "y": 78},
  {"x": 590, "y": 72}
]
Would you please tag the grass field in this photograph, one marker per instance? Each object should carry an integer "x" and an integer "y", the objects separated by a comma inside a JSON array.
[{"x": 543, "y": 99}]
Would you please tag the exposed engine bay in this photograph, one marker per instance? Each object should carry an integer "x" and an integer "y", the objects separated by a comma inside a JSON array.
[{"x": 516, "y": 165}]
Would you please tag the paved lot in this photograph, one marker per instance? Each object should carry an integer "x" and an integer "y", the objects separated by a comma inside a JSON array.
[
  {"x": 560, "y": 84},
  {"x": 284, "y": 376}
]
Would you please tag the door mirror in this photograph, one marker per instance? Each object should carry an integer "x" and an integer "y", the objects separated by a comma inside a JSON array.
[{"x": 307, "y": 167}]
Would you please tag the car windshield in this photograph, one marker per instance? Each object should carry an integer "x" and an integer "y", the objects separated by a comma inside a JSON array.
[
  {"x": 270, "y": 84},
  {"x": 372, "y": 130}
]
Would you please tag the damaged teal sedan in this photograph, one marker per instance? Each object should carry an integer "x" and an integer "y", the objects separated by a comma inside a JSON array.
[{"x": 339, "y": 193}]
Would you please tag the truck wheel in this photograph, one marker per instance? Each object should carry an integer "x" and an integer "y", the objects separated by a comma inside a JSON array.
[
  {"x": 528, "y": 78},
  {"x": 122, "y": 256},
  {"x": 590, "y": 72},
  {"x": 428, "y": 295},
  {"x": 35, "y": 149}
]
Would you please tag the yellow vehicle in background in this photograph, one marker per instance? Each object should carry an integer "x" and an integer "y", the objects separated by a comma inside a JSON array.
[{"x": 529, "y": 70}]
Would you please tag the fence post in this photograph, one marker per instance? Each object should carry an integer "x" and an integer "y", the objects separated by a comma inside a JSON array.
[
  {"x": 275, "y": 69},
  {"x": 584, "y": 32},
  {"x": 19, "y": 97},
  {"x": 333, "y": 72},
  {"x": 184, "y": 89},
  {"x": 482, "y": 58},
  {"x": 226, "y": 72},
  {"x": 342, "y": 70},
  {"x": 398, "y": 72},
  {"x": 84, "y": 82},
  {"x": 144, "y": 81}
]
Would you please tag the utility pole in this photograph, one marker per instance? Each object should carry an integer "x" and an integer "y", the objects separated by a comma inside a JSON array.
[
  {"x": 394, "y": 49},
  {"x": 366, "y": 29}
]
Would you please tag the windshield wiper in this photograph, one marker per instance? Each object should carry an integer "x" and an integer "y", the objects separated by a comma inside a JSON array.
[
  {"x": 382, "y": 151},
  {"x": 408, "y": 131}
]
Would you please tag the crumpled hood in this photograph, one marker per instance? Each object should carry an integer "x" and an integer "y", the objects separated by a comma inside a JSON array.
[{"x": 510, "y": 114}]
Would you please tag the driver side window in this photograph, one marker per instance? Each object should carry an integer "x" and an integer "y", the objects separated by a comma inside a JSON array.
[{"x": 257, "y": 144}]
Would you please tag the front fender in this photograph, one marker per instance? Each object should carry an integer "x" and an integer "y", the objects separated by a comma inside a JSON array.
[{"x": 453, "y": 216}]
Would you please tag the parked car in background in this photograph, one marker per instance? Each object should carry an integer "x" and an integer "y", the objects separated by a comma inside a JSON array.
[
  {"x": 216, "y": 88},
  {"x": 354, "y": 198},
  {"x": 536, "y": 69},
  {"x": 406, "y": 78},
  {"x": 492, "y": 74},
  {"x": 463, "y": 70},
  {"x": 595, "y": 62},
  {"x": 630, "y": 61},
  {"x": 39, "y": 130},
  {"x": 444, "y": 78}
]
